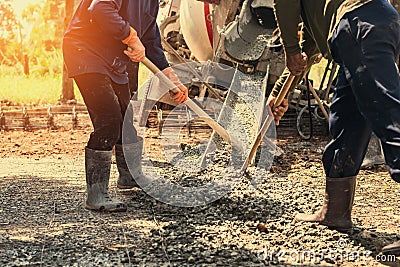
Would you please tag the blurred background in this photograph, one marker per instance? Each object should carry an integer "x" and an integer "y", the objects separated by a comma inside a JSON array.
[{"x": 31, "y": 63}]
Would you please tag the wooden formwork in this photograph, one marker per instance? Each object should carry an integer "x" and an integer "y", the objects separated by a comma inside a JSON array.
[
  {"x": 52, "y": 117},
  {"x": 167, "y": 122}
]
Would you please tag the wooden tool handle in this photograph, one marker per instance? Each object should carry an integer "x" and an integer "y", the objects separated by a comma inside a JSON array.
[
  {"x": 268, "y": 120},
  {"x": 319, "y": 102},
  {"x": 284, "y": 90},
  {"x": 154, "y": 69},
  {"x": 150, "y": 65},
  {"x": 193, "y": 106}
]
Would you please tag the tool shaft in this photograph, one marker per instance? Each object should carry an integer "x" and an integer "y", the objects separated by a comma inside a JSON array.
[{"x": 193, "y": 106}]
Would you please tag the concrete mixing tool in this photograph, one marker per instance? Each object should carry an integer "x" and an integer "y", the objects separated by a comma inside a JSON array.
[
  {"x": 193, "y": 106},
  {"x": 212, "y": 33}
]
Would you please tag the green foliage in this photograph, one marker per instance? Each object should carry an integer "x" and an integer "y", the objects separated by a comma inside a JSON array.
[
  {"x": 39, "y": 88},
  {"x": 45, "y": 46},
  {"x": 36, "y": 34},
  {"x": 51, "y": 62},
  {"x": 8, "y": 20},
  {"x": 8, "y": 33},
  {"x": 51, "y": 18},
  {"x": 30, "y": 90}
]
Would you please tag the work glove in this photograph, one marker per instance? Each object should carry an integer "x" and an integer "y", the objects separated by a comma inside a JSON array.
[
  {"x": 280, "y": 110},
  {"x": 137, "y": 51},
  {"x": 181, "y": 96}
]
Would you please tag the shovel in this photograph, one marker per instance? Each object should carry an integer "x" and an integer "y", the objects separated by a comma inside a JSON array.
[
  {"x": 193, "y": 106},
  {"x": 268, "y": 120}
]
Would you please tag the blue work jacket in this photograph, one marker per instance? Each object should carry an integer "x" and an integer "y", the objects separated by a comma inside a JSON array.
[{"x": 93, "y": 40}]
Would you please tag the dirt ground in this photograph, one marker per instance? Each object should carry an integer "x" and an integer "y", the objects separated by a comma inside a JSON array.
[{"x": 43, "y": 221}]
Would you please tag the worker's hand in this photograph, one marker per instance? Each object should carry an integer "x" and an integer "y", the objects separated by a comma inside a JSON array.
[
  {"x": 181, "y": 96},
  {"x": 211, "y": 1},
  {"x": 279, "y": 111},
  {"x": 296, "y": 63},
  {"x": 136, "y": 50},
  {"x": 318, "y": 59}
]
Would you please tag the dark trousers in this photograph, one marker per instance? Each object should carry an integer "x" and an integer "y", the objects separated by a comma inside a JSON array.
[
  {"x": 367, "y": 97},
  {"x": 107, "y": 104},
  {"x": 132, "y": 68}
]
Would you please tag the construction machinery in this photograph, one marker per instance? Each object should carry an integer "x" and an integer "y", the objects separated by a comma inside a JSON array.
[
  {"x": 229, "y": 58},
  {"x": 237, "y": 33}
]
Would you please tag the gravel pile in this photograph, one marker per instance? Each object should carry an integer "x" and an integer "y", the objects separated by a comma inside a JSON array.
[{"x": 43, "y": 222}]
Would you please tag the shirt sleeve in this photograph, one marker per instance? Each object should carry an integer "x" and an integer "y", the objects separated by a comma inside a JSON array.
[
  {"x": 105, "y": 14},
  {"x": 287, "y": 13},
  {"x": 151, "y": 40}
]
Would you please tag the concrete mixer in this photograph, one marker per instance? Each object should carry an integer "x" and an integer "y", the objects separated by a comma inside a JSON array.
[
  {"x": 231, "y": 56},
  {"x": 237, "y": 33},
  {"x": 197, "y": 28}
]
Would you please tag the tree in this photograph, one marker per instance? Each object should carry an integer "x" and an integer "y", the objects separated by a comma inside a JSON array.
[
  {"x": 8, "y": 33},
  {"x": 8, "y": 19},
  {"x": 67, "y": 83}
]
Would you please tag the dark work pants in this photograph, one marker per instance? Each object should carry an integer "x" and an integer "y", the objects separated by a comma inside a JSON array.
[
  {"x": 107, "y": 104},
  {"x": 132, "y": 68},
  {"x": 367, "y": 97}
]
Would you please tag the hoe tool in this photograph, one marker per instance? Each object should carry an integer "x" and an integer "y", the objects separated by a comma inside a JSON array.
[{"x": 192, "y": 105}]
